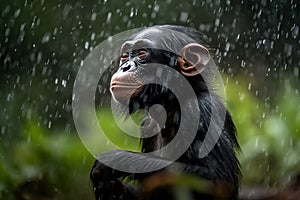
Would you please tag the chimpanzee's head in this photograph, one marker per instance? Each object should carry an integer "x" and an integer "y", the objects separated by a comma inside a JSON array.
[{"x": 175, "y": 47}]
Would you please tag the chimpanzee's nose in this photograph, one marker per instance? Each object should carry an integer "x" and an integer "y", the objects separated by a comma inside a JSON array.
[{"x": 128, "y": 66}]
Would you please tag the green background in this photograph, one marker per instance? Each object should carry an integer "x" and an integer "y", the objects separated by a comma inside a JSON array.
[{"x": 254, "y": 43}]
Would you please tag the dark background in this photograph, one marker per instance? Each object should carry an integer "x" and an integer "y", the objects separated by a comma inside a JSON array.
[{"x": 256, "y": 45}]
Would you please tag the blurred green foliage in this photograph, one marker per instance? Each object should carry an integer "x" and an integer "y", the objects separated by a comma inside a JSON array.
[
  {"x": 43, "y": 43},
  {"x": 115, "y": 135},
  {"x": 41, "y": 165},
  {"x": 269, "y": 138}
]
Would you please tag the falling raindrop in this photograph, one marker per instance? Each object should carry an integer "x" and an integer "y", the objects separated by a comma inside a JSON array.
[
  {"x": 49, "y": 124},
  {"x": 249, "y": 86},
  {"x": 86, "y": 45},
  {"x": 64, "y": 83}
]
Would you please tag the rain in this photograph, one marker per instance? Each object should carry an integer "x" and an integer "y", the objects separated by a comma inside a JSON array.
[{"x": 43, "y": 44}]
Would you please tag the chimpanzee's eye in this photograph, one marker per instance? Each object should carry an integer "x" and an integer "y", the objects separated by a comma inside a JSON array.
[
  {"x": 124, "y": 57},
  {"x": 143, "y": 55}
]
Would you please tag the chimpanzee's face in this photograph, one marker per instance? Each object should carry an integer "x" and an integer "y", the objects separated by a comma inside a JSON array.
[{"x": 150, "y": 46}]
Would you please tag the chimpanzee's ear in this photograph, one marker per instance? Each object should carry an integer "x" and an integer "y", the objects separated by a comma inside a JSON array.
[{"x": 193, "y": 59}]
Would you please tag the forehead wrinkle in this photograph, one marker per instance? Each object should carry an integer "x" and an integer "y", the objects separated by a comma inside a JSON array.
[
  {"x": 126, "y": 45},
  {"x": 142, "y": 43},
  {"x": 137, "y": 44}
]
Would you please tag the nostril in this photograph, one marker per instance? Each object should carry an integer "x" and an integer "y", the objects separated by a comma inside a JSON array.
[{"x": 126, "y": 68}]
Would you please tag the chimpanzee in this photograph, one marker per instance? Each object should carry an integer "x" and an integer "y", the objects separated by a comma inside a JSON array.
[{"x": 180, "y": 49}]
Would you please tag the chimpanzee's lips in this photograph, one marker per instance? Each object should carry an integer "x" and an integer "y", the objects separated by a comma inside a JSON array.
[
  {"x": 123, "y": 91},
  {"x": 120, "y": 85}
]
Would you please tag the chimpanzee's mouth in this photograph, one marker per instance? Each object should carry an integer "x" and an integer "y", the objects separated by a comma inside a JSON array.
[
  {"x": 123, "y": 91},
  {"x": 123, "y": 86}
]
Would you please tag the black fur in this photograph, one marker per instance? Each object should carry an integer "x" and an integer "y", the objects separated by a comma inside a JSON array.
[{"x": 219, "y": 166}]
